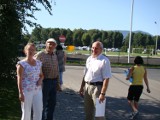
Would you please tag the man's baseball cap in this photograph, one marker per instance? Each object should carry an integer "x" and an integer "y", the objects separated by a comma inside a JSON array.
[{"x": 51, "y": 40}]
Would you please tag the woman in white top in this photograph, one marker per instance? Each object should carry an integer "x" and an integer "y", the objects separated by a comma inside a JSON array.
[{"x": 29, "y": 80}]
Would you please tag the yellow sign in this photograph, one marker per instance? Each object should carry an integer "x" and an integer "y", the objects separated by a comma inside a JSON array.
[{"x": 70, "y": 48}]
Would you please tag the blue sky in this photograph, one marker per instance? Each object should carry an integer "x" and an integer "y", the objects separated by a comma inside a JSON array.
[{"x": 102, "y": 15}]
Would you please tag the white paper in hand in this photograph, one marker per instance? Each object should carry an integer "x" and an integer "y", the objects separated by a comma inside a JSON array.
[{"x": 100, "y": 108}]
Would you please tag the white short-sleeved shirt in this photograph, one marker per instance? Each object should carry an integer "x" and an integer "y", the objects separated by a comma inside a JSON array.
[
  {"x": 97, "y": 69},
  {"x": 30, "y": 75}
]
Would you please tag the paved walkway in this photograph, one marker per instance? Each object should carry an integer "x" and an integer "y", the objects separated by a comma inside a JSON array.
[{"x": 70, "y": 104}]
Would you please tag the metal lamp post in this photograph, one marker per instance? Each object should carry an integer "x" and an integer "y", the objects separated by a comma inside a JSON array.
[
  {"x": 130, "y": 36},
  {"x": 156, "y": 40}
]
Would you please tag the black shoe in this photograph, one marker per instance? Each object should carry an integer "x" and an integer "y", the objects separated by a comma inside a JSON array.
[{"x": 134, "y": 115}]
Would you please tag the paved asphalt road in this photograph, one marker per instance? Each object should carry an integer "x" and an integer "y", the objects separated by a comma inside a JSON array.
[{"x": 70, "y": 104}]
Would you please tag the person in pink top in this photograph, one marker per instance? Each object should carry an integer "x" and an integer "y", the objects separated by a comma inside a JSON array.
[
  {"x": 29, "y": 80},
  {"x": 138, "y": 74}
]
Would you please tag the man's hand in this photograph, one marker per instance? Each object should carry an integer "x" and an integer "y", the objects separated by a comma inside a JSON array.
[
  {"x": 81, "y": 92},
  {"x": 39, "y": 82},
  {"x": 59, "y": 87},
  {"x": 101, "y": 98}
]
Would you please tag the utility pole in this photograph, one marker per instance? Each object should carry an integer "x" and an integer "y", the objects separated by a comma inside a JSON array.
[
  {"x": 156, "y": 39},
  {"x": 130, "y": 36}
]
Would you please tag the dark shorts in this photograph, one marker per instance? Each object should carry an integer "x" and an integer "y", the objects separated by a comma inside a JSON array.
[{"x": 134, "y": 92}]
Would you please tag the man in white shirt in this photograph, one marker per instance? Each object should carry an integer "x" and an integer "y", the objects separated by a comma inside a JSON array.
[{"x": 95, "y": 81}]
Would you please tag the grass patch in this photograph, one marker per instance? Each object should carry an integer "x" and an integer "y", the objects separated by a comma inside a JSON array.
[
  {"x": 126, "y": 65},
  {"x": 9, "y": 103}
]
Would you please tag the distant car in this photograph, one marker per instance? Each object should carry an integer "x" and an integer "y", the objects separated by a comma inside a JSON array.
[
  {"x": 113, "y": 49},
  {"x": 64, "y": 47},
  {"x": 144, "y": 51},
  {"x": 109, "y": 49},
  {"x": 85, "y": 48},
  {"x": 78, "y": 48}
]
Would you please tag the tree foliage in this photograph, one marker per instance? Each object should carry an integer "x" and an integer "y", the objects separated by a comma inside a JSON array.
[
  {"x": 86, "y": 39},
  {"x": 110, "y": 39},
  {"x": 13, "y": 18}
]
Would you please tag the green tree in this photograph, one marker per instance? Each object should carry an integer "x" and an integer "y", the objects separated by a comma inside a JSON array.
[
  {"x": 107, "y": 43},
  {"x": 149, "y": 40},
  {"x": 158, "y": 42},
  {"x": 118, "y": 39},
  {"x": 110, "y": 41},
  {"x": 36, "y": 34},
  {"x": 139, "y": 39},
  {"x": 104, "y": 35},
  {"x": 13, "y": 18},
  {"x": 77, "y": 35},
  {"x": 44, "y": 34},
  {"x": 126, "y": 41},
  {"x": 69, "y": 39},
  {"x": 52, "y": 33},
  {"x": 86, "y": 39},
  {"x": 10, "y": 34}
]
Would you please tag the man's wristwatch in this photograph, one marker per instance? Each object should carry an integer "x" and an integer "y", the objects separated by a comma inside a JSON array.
[{"x": 102, "y": 93}]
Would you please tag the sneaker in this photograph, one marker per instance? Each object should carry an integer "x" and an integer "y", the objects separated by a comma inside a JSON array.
[
  {"x": 131, "y": 116},
  {"x": 134, "y": 115}
]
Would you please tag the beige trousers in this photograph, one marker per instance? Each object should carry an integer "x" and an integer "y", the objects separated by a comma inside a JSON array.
[{"x": 91, "y": 92}]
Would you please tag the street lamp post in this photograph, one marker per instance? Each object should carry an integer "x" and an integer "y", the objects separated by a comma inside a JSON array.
[
  {"x": 156, "y": 39},
  {"x": 130, "y": 36}
]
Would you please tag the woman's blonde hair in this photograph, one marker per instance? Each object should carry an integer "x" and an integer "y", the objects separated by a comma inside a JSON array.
[{"x": 29, "y": 44}]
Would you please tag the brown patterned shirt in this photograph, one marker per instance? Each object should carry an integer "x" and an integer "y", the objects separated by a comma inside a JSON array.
[{"x": 49, "y": 64}]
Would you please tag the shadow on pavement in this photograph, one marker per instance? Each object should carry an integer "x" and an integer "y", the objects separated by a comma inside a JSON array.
[
  {"x": 118, "y": 109},
  {"x": 70, "y": 107}
]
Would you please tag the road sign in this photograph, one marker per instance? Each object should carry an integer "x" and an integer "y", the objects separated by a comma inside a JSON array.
[
  {"x": 70, "y": 48},
  {"x": 62, "y": 38}
]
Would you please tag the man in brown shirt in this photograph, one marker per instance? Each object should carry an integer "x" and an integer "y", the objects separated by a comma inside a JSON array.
[{"x": 51, "y": 78}]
